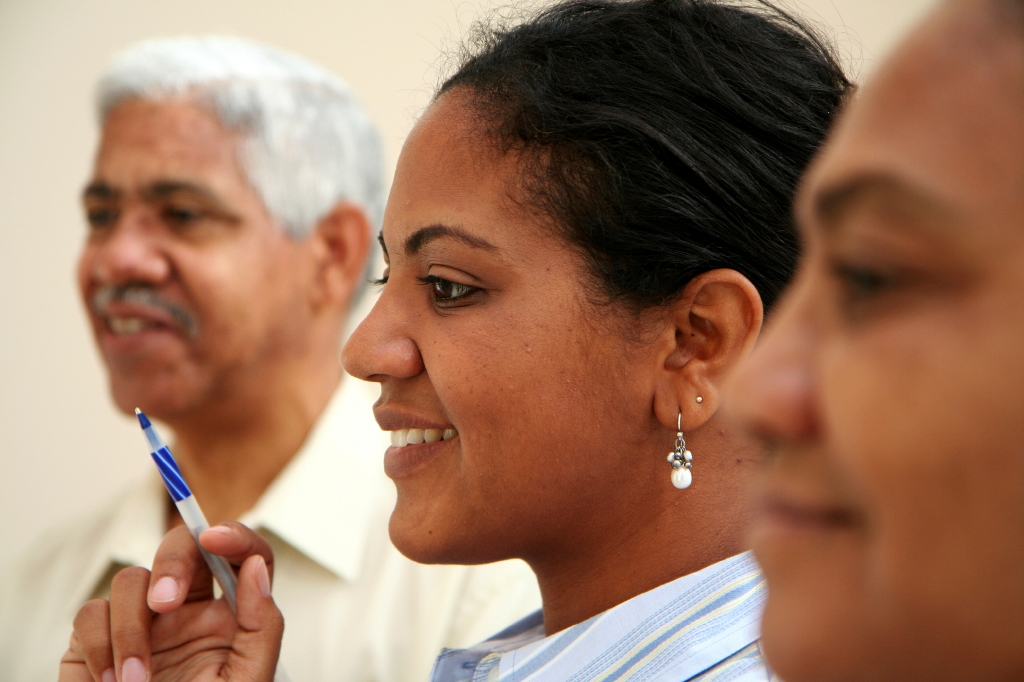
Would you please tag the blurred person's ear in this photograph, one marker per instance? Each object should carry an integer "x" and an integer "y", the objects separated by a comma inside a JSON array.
[
  {"x": 708, "y": 330},
  {"x": 340, "y": 244}
]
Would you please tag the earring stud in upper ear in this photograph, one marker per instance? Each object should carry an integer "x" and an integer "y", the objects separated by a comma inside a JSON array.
[
  {"x": 699, "y": 399},
  {"x": 681, "y": 459}
]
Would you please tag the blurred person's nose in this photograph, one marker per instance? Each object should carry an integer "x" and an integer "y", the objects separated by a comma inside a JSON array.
[
  {"x": 133, "y": 250},
  {"x": 381, "y": 348},
  {"x": 773, "y": 395}
]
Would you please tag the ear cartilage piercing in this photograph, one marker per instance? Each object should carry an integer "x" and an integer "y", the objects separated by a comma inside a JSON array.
[
  {"x": 699, "y": 399},
  {"x": 681, "y": 459}
]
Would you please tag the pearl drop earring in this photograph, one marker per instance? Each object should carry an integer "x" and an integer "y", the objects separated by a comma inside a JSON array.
[{"x": 681, "y": 459}]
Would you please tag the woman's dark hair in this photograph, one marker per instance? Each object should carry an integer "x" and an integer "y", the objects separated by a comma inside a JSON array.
[{"x": 665, "y": 137}]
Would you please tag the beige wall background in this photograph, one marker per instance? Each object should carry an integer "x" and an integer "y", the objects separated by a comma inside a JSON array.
[{"x": 63, "y": 448}]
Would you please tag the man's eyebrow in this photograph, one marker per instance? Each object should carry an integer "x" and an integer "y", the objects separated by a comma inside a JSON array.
[
  {"x": 423, "y": 236},
  {"x": 834, "y": 202},
  {"x": 100, "y": 190},
  {"x": 165, "y": 188}
]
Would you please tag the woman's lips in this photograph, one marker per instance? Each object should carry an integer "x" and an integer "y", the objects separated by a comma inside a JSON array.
[
  {"x": 779, "y": 518},
  {"x": 405, "y": 460}
]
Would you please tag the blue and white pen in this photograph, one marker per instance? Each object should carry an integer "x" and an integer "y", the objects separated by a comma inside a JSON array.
[
  {"x": 187, "y": 506},
  {"x": 193, "y": 516}
]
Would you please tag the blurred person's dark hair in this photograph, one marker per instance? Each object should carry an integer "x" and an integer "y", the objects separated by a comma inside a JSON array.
[{"x": 665, "y": 137}]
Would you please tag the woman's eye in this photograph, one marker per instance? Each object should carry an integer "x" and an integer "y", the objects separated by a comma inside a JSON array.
[
  {"x": 382, "y": 280},
  {"x": 446, "y": 293}
]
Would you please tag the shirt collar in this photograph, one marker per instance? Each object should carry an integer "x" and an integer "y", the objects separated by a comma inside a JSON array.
[
  {"x": 672, "y": 632},
  {"x": 137, "y": 525},
  {"x": 323, "y": 503}
]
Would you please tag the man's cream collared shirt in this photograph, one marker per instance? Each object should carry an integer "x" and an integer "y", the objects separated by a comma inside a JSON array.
[{"x": 355, "y": 609}]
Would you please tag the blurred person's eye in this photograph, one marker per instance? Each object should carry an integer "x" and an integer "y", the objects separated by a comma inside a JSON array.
[
  {"x": 861, "y": 285},
  {"x": 180, "y": 216},
  {"x": 447, "y": 294},
  {"x": 100, "y": 218}
]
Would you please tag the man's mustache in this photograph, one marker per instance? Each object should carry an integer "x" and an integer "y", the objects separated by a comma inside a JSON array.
[{"x": 143, "y": 294}]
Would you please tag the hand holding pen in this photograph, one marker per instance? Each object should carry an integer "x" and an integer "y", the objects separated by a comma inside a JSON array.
[{"x": 192, "y": 636}]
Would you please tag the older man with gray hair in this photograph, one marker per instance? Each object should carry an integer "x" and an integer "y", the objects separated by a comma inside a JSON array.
[{"x": 231, "y": 210}]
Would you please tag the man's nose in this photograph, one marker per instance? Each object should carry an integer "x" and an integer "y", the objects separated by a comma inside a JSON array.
[
  {"x": 772, "y": 395},
  {"x": 380, "y": 347},
  {"x": 132, "y": 251}
]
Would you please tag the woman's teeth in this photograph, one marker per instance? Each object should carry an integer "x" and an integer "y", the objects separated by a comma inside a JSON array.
[{"x": 403, "y": 437}]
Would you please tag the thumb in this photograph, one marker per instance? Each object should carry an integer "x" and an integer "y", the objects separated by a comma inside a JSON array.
[{"x": 257, "y": 642}]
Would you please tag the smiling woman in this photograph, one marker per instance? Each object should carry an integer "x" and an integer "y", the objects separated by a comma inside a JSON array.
[{"x": 584, "y": 231}]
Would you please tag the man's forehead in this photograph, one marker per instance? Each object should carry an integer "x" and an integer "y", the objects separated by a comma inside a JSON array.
[
  {"x": 174, "y": 128},
  {"x": 144, "y": 144}
]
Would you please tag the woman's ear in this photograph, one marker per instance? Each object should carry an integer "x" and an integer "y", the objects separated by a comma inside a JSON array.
[
  {"x": 711, "y": 327},
  {"x": 340, "y": 243}
]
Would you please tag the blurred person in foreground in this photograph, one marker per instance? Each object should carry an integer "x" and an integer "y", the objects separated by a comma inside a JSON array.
[
  {"x": 234, "y": 196},
  {"x": 890, "y": 388},
  {"x": 584, "y": 231}
]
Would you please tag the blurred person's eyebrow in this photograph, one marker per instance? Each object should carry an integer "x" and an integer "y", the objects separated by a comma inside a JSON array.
[
  {"x": 420, "y": 238},
  {"x": 166, "y": 188},
  {"x": 100, "y": 190},
  {"x": 833, "y": 203}
]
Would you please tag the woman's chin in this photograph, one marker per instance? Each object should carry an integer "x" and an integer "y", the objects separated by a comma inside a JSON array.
[{"x": 426, "y": 539}]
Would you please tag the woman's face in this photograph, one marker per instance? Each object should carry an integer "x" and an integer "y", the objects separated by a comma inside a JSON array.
[
  {"x": 484, "y": 328},
  {"x": 890, "y": 384}
]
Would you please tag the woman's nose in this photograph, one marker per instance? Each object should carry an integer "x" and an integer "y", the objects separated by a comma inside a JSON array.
[
  {"x": 380, "y": 347},
  {"x": 772, "y": 395}
]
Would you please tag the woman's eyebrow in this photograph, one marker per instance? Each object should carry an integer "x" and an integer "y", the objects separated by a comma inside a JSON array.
[
  {"x": 833, "y": 204},
  {"x": 423, "y": 236}
]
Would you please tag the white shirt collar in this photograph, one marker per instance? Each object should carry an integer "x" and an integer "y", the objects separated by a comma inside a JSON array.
[{"x": 321, "y": 504}]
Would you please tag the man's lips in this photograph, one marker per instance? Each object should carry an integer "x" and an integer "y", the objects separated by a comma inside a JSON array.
[{"x": 121, "y": 318}]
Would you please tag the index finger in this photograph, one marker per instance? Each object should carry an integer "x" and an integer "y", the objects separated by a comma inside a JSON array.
[
  {"x": 180, "y": 573},
  {"x": 236, "y": 543}
]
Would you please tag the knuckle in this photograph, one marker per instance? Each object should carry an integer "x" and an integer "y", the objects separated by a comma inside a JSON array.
[
  {"x": 128, "y": 578},
  {"x": 95, "y": 612}
]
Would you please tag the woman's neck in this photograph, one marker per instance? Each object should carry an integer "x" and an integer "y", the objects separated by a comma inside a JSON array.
[{"x": 634, "y": 545}]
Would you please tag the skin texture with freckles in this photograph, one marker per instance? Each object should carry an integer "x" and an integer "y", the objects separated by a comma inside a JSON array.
[
  {"x": 565, "y": 410},
  {"x": 890, "y": 385}
]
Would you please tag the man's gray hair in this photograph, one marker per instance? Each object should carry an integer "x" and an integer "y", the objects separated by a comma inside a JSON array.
[{"x": 307, "y": 141}]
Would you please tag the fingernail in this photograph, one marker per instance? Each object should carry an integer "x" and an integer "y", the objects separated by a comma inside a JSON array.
[
  {"x": 132, "y": 670},
  {"x": 108, "y": 675},
  {"x": 223, "y": 530},
  {"x": 165, "y": 590},
  {"x": 262, "y": 577}
]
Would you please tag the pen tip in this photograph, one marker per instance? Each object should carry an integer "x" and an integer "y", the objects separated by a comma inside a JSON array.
[
  {"x": 138, "y": 411},
  {"x": 143, "y": 419}
]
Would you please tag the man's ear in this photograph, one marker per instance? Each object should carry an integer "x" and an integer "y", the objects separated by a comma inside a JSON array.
[
  {"x": 711, "y": 327},
  {"x": 340, "y": 244}
]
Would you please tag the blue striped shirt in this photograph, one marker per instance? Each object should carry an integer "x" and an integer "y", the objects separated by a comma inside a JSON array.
[{"x": 702, "y": 627}]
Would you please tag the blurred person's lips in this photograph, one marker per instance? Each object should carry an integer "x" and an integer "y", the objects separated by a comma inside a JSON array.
[
  {"x": 128, "y": 328},
  {"x": 785, "y": 514},
  {"x": 416, "y": 439},
  {"x": 116, "y": 313}
]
